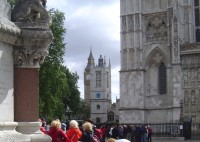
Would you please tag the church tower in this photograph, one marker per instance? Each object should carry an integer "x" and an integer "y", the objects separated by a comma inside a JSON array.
[{"x": 97, "y": 88}]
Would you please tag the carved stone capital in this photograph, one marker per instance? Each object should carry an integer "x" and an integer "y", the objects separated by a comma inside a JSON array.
[{"x": 32, "y": 47}]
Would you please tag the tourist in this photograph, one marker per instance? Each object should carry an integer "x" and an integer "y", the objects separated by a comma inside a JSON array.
[
  {"x": 56, "y": 133},
  {"x": 43, "y": 125},
  {"x": 63, "y": 127},
  {"x": 96, "y": 130},
  {"x": 149, "y": 133},
  {"x": 103, "y": 130},
  {"x": 73, "y": 133},
  {"x": 87, "y": 132},
  {"x": 119, "y": 140}
]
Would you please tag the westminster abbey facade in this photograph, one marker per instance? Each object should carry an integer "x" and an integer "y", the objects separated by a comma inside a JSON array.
[{"x": 160, "y": 61}]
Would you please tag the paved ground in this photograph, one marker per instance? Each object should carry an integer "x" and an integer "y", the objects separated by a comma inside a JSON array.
[
  {"x": 171, "y": 139},
  {"x": 175, "y": 141}
]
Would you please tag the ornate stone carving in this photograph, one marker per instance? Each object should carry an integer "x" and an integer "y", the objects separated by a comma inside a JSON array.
[
  {"x": 29, "y": 57},
  {"x": 30, "y": 11},
  {"x": 156, "y": 28},
  {"x": 175, "y": 24},
  {"x": 130, "y": 23},
  {"x": 188, "y": 47},
  {"x": 189, "y": 61},
  {"x": 198, "y": 77},
  {"x": 193, "y": 97},
  {"x": 186, "y": 98},
  {"x": 123, "y": 26},
  {"x": 175, "y": 42},
  {"x": 33, "y": 48},
  {"x": 185, "y": 78},
  {"x": 137, "y": 21}
]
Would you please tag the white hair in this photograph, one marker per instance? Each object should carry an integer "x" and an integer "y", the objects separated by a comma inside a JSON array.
[{"x": 73, "y": 124}]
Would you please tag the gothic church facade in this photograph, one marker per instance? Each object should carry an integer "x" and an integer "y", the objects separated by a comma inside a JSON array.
[
  {"x": 97, "y": 88},
  {"x": 160, "y": 61}
]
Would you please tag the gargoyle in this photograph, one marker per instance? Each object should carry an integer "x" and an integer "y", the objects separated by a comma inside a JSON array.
[{"x": 30, "y": 10}]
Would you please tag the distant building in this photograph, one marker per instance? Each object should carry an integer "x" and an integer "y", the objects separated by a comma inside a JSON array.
[
  {"x": 160, "y": 61},
  {"x": 97, "y": 88}
]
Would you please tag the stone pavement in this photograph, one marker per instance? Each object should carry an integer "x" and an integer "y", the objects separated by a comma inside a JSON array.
[
  {"x": 172, "y": 139},
  {"x": 175, "y": 140}
]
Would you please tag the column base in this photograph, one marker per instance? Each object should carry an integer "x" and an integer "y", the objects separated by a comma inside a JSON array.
[
  {"x": 9, "y": 134},
  {"x": 32, "y": 130}
]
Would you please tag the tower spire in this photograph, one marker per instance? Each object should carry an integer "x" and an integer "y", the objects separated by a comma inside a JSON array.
[{"x": 90, "y": 59}]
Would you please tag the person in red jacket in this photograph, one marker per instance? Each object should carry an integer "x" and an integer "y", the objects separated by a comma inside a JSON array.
[
  {"x": 73, "y": 133},
  {"x": 56, "y": 133}
]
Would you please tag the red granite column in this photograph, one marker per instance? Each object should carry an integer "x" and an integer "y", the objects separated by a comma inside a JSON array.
[{"x": 26, "y": 83}]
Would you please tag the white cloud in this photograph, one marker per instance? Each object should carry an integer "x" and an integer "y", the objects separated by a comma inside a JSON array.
[{"x": 91, "y": 23}]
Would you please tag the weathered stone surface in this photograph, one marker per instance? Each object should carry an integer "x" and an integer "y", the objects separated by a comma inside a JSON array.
[
  {"x": 5, "y": 9},
  {"x": 155, "y": 33},
  {"x": 6, "y": 82}
]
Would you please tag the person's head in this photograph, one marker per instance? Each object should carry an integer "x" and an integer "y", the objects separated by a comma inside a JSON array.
[
  {"x": 56, "y": 123},
  {"x": 63, "y": 126},
  {"x": 87, "y": 126},
  {"x": 89, "y": 120},
  {"x": 111, "y": 140},
  {"x": 73, "y": 124}
]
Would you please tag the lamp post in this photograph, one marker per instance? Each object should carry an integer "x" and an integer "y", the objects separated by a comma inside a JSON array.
[{"x": 68, "y": 112}]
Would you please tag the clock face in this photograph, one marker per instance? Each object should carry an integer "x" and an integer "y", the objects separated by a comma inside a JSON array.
[
  {"x": 98, "y": 95},
  {"x": 88, "y": 77}
]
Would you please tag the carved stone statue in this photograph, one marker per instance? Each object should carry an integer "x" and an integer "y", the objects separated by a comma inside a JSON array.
[{"x": 30, "y": 10}]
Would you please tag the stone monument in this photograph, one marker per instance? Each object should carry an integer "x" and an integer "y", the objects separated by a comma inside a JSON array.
[{"x": 23, "y": 47}]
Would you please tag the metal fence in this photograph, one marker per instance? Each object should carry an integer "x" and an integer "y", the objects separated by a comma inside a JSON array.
[
  {"x": 173, "y": 130},
  {"x": 195, "y": 130}
]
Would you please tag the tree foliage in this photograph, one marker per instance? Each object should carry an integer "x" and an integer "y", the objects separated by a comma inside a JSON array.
[{"x": 58, "y": 86}]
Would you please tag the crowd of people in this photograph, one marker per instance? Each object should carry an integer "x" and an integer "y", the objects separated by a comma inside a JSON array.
[{"x": 88, "y": 132}]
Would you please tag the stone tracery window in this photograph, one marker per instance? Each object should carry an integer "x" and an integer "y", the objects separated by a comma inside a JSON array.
[
  {"x": 98, "y": 78},
  {"x": 157, "y": 73}
]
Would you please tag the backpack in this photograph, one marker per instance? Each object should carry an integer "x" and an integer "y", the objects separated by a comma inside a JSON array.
[
  {"x": 94, "y": 138},
  {"x": 98, "y": 133}
]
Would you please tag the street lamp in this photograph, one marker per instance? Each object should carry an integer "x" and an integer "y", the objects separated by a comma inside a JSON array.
[{"x": 68, "y": 112}]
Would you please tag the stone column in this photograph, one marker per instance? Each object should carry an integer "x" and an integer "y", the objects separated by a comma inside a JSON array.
[{"x": 29, "y": 54}]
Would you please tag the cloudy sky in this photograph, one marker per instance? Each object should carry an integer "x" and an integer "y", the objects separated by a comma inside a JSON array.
[{"x": 91, "y": 24}]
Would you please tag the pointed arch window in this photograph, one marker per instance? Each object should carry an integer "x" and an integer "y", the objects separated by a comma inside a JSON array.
[{"x": 162, "y": 79}]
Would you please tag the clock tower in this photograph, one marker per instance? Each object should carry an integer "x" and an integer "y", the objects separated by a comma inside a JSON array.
[{"x": 97, "y": 88}]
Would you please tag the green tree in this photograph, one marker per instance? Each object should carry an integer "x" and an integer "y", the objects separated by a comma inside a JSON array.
[
  {"x": 58, "y": 86},
  {"x": 84, "y": 111}
]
